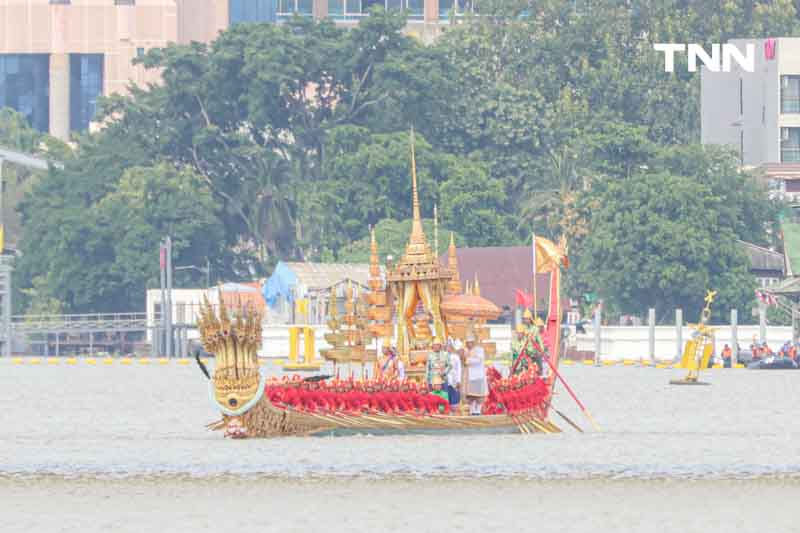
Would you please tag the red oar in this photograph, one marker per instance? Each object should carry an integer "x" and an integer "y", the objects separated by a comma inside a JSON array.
[{"x": 569, "y": 390}]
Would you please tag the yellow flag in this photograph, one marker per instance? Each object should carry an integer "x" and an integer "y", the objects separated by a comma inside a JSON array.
[
  {"x": 549, "y": 255},
  {"x": 302, "y": 306}
]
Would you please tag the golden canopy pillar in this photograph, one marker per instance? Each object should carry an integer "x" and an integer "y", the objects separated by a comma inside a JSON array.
[{"x": 417, "y": 277}]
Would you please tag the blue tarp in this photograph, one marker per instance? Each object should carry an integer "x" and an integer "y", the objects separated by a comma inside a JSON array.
[{"x": 280, "y": 284}]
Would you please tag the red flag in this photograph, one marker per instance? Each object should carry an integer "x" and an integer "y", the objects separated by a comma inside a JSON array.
[{"x": 523, "y": 299}]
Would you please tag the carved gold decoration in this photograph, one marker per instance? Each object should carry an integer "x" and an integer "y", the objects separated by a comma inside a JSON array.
[{"x": 234, "y": 340}]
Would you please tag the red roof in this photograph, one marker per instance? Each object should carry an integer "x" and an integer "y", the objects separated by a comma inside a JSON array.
[
  {"x": 236, "y": 300},
  {"x": 501, "y": 270}
]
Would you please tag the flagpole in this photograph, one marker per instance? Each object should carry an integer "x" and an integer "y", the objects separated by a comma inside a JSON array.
[{"x": 533, "y": 247}]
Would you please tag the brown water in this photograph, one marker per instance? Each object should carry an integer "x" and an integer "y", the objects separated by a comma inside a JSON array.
[{"x": 124, "y": 448}]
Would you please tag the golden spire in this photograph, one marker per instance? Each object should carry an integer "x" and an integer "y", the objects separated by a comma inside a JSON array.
[
  {"x": 435, "y": 232},
  {"x": 454, "y": 285},
  {"x": 476, "y": 289},
  {"x": 416, "y": 225},
  {"x": 418, "y": 263},
  {"x": 374, "y": 267}
]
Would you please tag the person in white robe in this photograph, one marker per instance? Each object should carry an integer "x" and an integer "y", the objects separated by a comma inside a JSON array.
[
  {"x": 454, "y": 376},
  {"x": 477, "y": 386}
]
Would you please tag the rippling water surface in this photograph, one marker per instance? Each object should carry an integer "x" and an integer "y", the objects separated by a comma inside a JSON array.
[{"x": 88, "y": 431}]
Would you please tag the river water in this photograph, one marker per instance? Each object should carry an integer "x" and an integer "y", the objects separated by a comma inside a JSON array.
[{"x": 124, "y": 448}]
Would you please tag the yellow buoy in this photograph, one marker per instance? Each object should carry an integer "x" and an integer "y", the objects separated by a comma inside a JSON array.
[
  {"x": 17, "y": 360},
  {"x": 35, "y": 361},
  {"x": 163, "y": 361},
  {"x": 183, "y": 361},
  {"x": 108, "y": 361},
  {"x": 72, "y": 361},
  {"x": 125, "y": 360},
  {"x": 144, "y": 361},
  {"x": 588, "y": 362},
  {"x": 52, "y": 360},
  {"x": 91, "y": 361}
]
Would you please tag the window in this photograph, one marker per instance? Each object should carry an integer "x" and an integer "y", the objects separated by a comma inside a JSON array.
[
  {"x": 140, "y": 52},
  {"x": 288, "y": 8},
  {"x": 85, "y": 85},
  {"x": 790, "y": 94},
  {"x": 124, "y": 2},
  {"x": 790, "y": 145},
  {"x": 415, "y": 8},
  {"x": 25, "y": 87},
  {"x": 345, "y": 9},
  {"x": 252, "y": 10},
  {"x": 60, "y": 2}
]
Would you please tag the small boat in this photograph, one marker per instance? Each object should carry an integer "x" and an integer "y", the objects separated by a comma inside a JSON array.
[{"x": 773, "y": 363}]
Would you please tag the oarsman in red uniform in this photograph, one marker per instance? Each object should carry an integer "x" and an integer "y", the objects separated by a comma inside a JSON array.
[{"x": 418, "y": 398}]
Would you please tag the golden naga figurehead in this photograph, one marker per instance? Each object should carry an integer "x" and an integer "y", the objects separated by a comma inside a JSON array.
[{"x": 234, "y": 340}]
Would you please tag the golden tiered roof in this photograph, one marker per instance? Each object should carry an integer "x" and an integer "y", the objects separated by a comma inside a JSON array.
[{"x": 419, "y": 262}]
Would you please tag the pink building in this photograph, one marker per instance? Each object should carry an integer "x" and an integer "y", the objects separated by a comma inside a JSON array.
[{"x": 58, "y": 56}]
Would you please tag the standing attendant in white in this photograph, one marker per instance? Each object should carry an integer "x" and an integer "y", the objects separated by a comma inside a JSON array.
[{"x": 477, "y": 387}]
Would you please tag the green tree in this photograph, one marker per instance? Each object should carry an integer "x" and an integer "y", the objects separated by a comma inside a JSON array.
[
  {"x": 657, "y": 241},
  {"x": 100, "y": 255}
]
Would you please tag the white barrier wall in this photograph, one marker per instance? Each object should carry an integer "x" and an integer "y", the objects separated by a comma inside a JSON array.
[
  {"x": 617, "y": 342},
  {"x": 632, "y": 342}
]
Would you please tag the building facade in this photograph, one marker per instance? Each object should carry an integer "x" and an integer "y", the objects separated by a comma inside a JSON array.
[
  {"x": 758, "y": 113},
  {"x": 58, "y": 56}
]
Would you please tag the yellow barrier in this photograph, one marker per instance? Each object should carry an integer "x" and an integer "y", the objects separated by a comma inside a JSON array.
[
  {"x": 183, "y": 361},
  {"x": 609, "y": 363},
  {"x": 163, "y": 361},
  {"x": 17, "y": 360},
  {"x": 588, "y": 362},
  {"x": 91, "y": 361},
  {"x": 72, "y": 361},
  {"x": 108, "y": 361},
  {"x": 52, "y": 360},
  {"x": 568, "y": 362},
  {"x": 144, "y": 361},
  {"x": 738, "y": 365},
  {"x": 125, "y": 360}
]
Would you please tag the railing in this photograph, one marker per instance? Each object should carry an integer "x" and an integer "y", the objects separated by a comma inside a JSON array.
[
  {"x": 79, "y": 323},
  {"x": 790, "y": 154}
]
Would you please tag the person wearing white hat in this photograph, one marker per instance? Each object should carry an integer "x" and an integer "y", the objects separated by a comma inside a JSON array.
[{"x": 477, "y": 387}]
